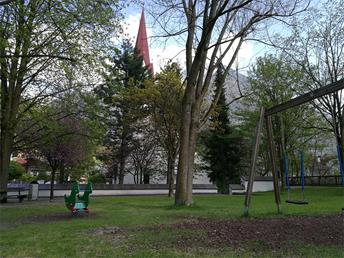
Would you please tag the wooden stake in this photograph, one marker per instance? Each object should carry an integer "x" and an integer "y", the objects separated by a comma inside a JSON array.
[
  {"x": 273, "y": 162},
  {"x": 254, "y": 160}
]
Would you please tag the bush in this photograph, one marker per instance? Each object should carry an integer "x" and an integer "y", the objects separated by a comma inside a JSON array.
[
  {"x": 97, "y": 178},
  {"x": 16, "y": 171},
  {"x": 27, "y": 178},
  {"x": 43, "y": 176}
]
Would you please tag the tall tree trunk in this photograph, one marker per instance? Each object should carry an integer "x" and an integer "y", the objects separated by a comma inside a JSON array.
[
  {"x": 6, "y": 137},
  {"x": 168, "y": 173},
  {"x": 194, "y": 127},
  {"x": 12, "y": 73},
  {"x": 121, "y": 169},
  {"x": 189, "y": 131},
  {"x": 181, "y": 197},
  {"x": 114, "y": 172},
  {"x": 145, "y": 177},
  {"x": 62, "y": 173},
  {"x": 10, "y": 99},
  {"x": 139, "y": 176},
  {"x": 171, "y": 161},
  {"x": 5, "y": 155},
  {"x": 53, "y": 172}
]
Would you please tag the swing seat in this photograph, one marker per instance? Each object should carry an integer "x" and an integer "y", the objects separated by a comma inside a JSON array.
[{"x": 296, "y": 202}]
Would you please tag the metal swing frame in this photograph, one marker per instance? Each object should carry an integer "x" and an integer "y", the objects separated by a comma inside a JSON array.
[{"x": 265, "y": 115}]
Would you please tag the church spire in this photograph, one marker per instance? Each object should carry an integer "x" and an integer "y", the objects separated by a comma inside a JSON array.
[{"x": 142, "y": 42}]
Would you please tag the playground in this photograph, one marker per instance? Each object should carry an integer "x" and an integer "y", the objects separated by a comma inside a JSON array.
[{"x": 152, "y": 227}]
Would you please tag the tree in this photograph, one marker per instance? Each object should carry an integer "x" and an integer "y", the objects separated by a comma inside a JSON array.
[
  {"x": 212, "y": 30},
  {"x": 155, "y": 108},
  {"x": 222, "y": 146},
  {"x": 318, "y": 51},
  {"x": 273, "y": 81},
  {"x": 144, "y": 156},
  {"x": 165, "y": 98},
  {"x": 61, "y": 135},
  {"x": 16, "y": 171},
  {"x": 65, "y": 145},
  {"x": 127, "y": 72},
  {"x": 73, "y": 109},
  {"x": 39, "y": 40},
  {"x": 97, "y": 178}
]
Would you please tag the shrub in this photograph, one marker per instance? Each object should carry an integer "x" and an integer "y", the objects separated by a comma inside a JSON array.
[
  {"x": 97, "y": 178},
  {"x": 43, "y": 176},
  {"x": 16, "y": 171},
  {"x": 27, "y": 178}
]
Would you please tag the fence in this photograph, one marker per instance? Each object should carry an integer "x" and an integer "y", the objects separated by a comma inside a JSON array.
[{"x": 316, "y": 180}]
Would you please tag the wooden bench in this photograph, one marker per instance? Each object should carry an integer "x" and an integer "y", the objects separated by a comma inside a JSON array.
[
  {"x": 236, "y": 188},
  {"x": 18, "y": 193}
]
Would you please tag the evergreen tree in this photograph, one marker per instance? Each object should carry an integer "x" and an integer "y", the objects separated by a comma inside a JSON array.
[
  {"x": 221, "y": 145},
  {"x": 127, "y": 72}
]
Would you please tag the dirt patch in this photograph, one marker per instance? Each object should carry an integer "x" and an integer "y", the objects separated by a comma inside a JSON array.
[
  {"x": 55, "y": 217},
  {"x": 274, "y": 234},
  {"x": 106, "y": 231},
  {"x": 47, "y": 218},
  {"x": 271, "y": 233},
  {"x": 115, "y": 235}
]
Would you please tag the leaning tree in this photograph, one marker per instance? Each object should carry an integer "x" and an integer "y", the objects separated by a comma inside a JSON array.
[{"x": 212, "y": 31}]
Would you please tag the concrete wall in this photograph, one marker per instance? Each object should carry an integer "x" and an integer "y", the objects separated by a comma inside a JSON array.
[
  {"x": 60, "y": 193},
  {"x": 261, "y": 186},
  {"x": 129, "y": 189}
]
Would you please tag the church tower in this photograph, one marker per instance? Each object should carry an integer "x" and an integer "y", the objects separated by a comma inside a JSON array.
[{"x": 142, "y": 43}]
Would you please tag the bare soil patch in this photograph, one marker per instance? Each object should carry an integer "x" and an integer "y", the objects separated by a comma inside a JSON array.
[
  {"x": 272, "y": 233},
  {"x": 268, "y": 234},
  {"x": 55, "y": 217},
  {"x": 47, "y": 218}
]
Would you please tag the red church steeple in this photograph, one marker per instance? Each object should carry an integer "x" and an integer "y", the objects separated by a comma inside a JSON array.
[{"x": 142, "y": 43}]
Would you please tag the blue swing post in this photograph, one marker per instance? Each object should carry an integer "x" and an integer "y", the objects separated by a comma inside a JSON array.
[{"x": 340, "y": 163}]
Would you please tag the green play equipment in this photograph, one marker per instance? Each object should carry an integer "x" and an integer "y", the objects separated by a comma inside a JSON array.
[{"x": 76, "y": 202}]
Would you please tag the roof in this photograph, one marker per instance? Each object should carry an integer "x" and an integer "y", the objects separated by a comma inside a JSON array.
[
  {"x": 142, "y": 43},
  {"x": 21, "y": 161}
]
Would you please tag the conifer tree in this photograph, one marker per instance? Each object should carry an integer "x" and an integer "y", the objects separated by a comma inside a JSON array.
[
  {"x": 126, "y": 72},
  {"x": 221, "y": 146}
]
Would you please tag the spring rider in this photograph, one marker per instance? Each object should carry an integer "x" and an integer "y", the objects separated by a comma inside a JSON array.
[{"x": 76, "y": 202}]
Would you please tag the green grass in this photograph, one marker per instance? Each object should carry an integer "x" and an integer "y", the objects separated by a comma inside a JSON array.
[{"x": 22, "y": 237}]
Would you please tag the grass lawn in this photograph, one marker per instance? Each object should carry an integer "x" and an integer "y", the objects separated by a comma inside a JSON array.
[{"x": 152, "y": 227}]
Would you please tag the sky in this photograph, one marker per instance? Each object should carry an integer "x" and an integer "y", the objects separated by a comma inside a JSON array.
[{"x": 160, "y": 53}]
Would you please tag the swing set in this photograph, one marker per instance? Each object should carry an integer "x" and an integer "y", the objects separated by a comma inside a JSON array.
[
  {"x": 302, "y": 173},
  {"x": 265, "y": 115}
]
